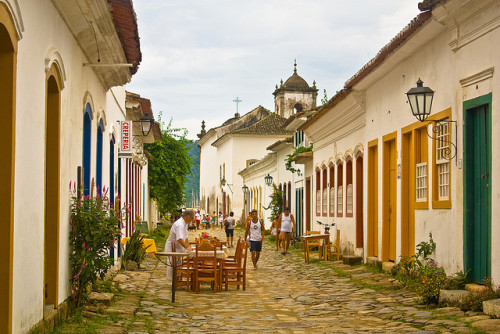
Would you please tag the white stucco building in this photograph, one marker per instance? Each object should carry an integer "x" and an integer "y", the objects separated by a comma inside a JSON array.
[
  {"x": 403, "y": 183},
  {"x": 64, "y": 64}
]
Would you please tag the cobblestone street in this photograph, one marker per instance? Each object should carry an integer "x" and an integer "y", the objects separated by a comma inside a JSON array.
[{"x": 285, "y": 295}]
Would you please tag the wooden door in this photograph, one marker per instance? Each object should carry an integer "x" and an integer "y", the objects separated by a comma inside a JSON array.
[
  {"x": 407, "y": 194},
  {"x": 372, "y": 178},
  {"x": 477, "y": 188},
  {"x": 389, "y": 200},
  {"x": 359, "y": 202},
  {"x": 308, "y": 204}
]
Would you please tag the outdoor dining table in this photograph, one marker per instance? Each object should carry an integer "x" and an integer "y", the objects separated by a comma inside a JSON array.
[
  {"x": 324, "y": 249},
  {"x": 174, "y": 267},
  {"x": 221, "y": 255}
]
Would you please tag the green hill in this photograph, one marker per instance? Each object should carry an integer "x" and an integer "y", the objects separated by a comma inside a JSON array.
[{"x": 192, "y": 185}]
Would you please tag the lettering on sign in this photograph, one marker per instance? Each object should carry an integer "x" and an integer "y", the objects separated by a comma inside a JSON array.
[{"x": 126, "y": 136}]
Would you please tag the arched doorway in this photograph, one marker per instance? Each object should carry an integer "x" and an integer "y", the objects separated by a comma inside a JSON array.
[
  {"x": 8, "y": 55},
  {"x": 87, "y": 136},
  {"x": 52, "y": 185},
  {"x": 98, "y": 158}
]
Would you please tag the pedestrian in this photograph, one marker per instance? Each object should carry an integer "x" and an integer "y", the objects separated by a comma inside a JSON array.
[
  {"x": 214, "y": 219},
  {"x": 221, "y": 220},
  {"x": 276, "y": 233},
  {"x": 198, "y": 219},
  {"x": 287, "y": 226},
  {"x": 179, "y": 236},
  {"x": 255, "y": 230},
  {"x": 229, "y": 226}
]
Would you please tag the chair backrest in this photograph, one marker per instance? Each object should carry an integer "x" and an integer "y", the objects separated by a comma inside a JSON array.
[
  {"x": 205, "y": 246},
  {"x": 314, "y": 243}
]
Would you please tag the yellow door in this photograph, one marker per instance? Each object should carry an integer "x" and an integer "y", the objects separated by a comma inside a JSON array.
[
  {"x": 8, "y": 51},
  {"x": 372, "y": 178},
  {"x": 389, "y": 199}
]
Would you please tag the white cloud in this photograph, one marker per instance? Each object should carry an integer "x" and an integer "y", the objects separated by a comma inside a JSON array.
[{"x": 198, "y": 55}]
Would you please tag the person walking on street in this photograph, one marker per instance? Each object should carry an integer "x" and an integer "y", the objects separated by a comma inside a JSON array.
[
  {"x": 221, "y": 220},
  {"x": 229, "y": 226},
  {"x": 198, "y": 219},
  {"x": 255, "y": 230},
  {"x": 287, "y": 227},
  {"x": 276, "y": 233},
  {"x": 179, "y": 236},
  {"x": 214, "y": 219}
]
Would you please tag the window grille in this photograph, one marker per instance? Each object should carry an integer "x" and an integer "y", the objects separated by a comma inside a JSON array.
[
  {"x": 443, "y": 164},
  {"x": 339, "y": 200},
  {"x": 421, "y": 182}
]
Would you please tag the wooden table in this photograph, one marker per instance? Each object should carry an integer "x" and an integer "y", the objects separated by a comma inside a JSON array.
[
  {"x": 324, "y": 249},
  {"x": 174, "y": 268}
]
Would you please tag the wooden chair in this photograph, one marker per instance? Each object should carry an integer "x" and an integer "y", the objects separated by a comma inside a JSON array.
[
  {"x": 314, "y": 243},
  {"x": 205, "y": 266},
  {"x": 237, "y": 252},
  {"x": 185, "y": 271},
  {"x": 235, "y": 273},
  {"x": 336, "y": 248}
]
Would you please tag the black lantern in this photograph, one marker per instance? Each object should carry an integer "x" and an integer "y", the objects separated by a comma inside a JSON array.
[
  {"x": 420, "y": 99},
  {"x": 223, "y": 181},
  {"x": 269, "y": 180},
  {"x": 146, "y": 124},
  {"x": 245, "y": 189}
]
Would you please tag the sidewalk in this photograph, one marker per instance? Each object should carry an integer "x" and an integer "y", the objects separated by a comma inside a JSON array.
[{"x": 285, "y": 295}]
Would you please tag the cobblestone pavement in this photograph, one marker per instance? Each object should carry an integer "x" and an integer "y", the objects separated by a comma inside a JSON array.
[{"x": 285, "y": 295}]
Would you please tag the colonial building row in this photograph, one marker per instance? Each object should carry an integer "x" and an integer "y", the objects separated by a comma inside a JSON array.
[
  {"x": 63, "y": 66},
  {"x": 385, "y": 178}
]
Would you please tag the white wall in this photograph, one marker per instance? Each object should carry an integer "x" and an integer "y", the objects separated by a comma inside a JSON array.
[{"x": 45, "y": 30}]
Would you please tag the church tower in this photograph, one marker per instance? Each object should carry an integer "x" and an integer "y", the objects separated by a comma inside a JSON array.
[{"x": 294, "y": 95}]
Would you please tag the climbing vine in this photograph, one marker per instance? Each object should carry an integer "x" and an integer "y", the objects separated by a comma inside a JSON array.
[
  {"x": 276, "y": 204},
  {"x": 297, "y": 151}
]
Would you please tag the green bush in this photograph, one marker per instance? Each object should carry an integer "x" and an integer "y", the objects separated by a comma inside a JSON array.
[
  {"x": 430, "y": 280},
  {"x": 134, "y": 250},
  {"x": 94, "y": 227}
]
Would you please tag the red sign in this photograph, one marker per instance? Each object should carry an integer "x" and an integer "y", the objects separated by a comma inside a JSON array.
[{"x": 126, "y": 136}]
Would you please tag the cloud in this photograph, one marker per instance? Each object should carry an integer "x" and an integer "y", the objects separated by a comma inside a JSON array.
[{"x": 198, "y": 55}]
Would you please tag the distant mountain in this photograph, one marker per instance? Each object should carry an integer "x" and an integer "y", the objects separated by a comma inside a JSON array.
[{"x": 192, "y": 185}]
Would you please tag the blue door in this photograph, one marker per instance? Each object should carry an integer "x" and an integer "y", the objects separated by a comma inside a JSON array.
[{"x": 87, "y": 136}]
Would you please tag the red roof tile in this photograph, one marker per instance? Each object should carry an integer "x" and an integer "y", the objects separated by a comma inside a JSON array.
[{"x": 126, "y": 26}]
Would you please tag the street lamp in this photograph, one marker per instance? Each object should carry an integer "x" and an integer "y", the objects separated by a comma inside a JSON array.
[
  {"x": 420, "y": 99},
  {"x": 146, "y": 124},
  {"x": 223, "y": 183},
  {"x": 269, "y": 180},
  {"x": 245, "y": 189}
]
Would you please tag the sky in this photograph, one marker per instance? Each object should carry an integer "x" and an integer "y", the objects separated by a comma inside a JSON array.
[{"x": 199, "y": 55}]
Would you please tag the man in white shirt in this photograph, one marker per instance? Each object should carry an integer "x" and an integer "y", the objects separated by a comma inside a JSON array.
[
  {"x": 255, "y": 230},
  {"x": 179, "y": 236}
]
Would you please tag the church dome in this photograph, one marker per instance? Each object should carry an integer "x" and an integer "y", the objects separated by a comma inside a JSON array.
[{"x": 296, "y": 81}]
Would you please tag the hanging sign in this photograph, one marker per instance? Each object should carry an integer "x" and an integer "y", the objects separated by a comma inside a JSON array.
[{"x": 126, "y": 140}]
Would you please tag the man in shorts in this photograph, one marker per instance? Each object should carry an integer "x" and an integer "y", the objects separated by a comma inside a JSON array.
[
  {"x": 229, "y": 227},
  {"x": 255, "y": 230},
  {"x": 287, "y": 226}
]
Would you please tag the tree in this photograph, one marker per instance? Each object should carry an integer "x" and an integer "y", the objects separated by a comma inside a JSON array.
[{"x": 169, "y": 167}]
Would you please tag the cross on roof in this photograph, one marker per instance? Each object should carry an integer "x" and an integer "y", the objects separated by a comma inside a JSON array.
[{"x": 237, "y": 101}]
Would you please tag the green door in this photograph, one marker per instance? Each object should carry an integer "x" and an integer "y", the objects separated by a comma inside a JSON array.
[
  {"x": 299, "y": 202},
  {"x": 477, "y": 188}
]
